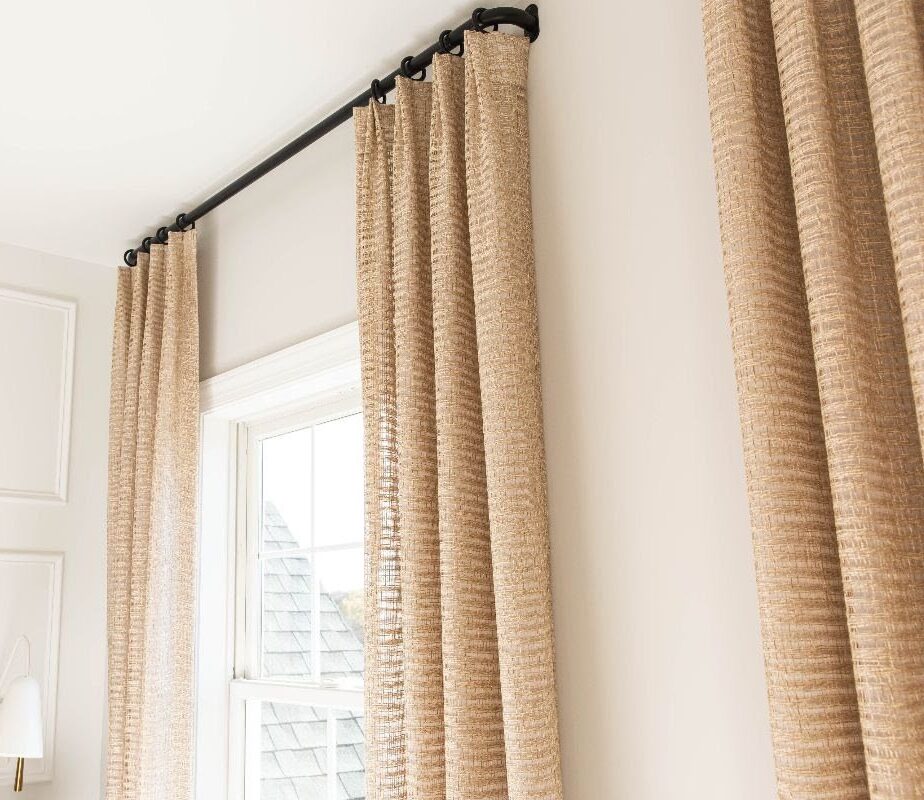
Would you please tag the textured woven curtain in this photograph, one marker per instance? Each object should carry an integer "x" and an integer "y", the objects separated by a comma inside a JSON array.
[
  {"x": 818, "y": 129},
  {"x": 153, "y": 465},
  {"x": 460, "y": 689}
]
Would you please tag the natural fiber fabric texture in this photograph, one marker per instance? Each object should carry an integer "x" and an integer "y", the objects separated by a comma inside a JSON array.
[
  {"x": 153, "y": 470},
  {"x": 818, "y": 129},
  {"x": 460, "y": 688}
]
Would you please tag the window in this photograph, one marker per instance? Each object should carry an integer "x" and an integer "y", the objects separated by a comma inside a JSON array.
[
  {"x": 291, "y": 461},
  {"x": 303, "y": 606}
]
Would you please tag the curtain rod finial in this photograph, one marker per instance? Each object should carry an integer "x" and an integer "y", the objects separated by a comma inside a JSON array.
[{"x": 533, "y": 10}]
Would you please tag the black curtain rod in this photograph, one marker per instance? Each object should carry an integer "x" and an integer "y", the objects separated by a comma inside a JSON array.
[{"x": 527, "y": 19}]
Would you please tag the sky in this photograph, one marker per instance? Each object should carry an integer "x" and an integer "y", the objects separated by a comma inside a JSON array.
[{"x": 314, "y": 477}]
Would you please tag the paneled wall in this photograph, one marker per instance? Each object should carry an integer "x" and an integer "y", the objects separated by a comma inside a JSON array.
[{"x": 55, "y": 330}]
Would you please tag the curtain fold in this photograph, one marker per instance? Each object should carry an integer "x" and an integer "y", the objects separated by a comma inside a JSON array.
[
  {"x": 460, "y": 690},
  {"x": 153, "y": 474},
  {"x": 819, "y": 152}
]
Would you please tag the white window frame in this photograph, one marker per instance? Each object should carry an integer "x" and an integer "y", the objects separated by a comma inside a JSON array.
[
  {"x": 249, "y": 629},
  {"x": 302, "y": 385}
]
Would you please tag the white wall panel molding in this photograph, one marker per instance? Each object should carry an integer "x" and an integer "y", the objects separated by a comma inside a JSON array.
[
  {"x": 30, "y": 604},
  {"x": 37, "y": 339}
]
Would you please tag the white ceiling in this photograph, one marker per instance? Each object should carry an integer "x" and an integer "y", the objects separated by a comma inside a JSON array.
[{"x": 117, "y": 114}]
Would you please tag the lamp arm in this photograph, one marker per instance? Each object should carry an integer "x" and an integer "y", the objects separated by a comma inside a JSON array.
[{"x": 9, "y": 663}]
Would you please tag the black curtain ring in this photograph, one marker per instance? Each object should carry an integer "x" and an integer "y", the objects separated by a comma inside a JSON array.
[
  {"x": 476, "y": 19},
  {"x": 161, "y": 235},
  {"x": 146, "y": 244},
  {"x": 181, "y": 222},
  {"x": 130, "y": 258},
  {"x": 378, "y": 93},
  {"x": 446, "y": 45},
  {"x": 406, "y": 69}
]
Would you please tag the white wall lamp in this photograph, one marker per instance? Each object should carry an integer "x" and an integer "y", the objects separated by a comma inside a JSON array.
[{"x": 21, "y": 734}]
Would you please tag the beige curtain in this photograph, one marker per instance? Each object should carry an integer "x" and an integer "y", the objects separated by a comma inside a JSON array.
[
  {"x": 818, "y": 129},
  {"x": 153, "y": 464},
  {"x": 460, "y": 689}
]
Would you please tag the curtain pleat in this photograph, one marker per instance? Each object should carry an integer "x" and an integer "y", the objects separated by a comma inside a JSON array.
[
  {"x": 819, "y": 152},
  {"x": 382, "y": 641},
  {"x": 475, "y": 756},
  {"x": 460, "y": 690},
  {"x": 418, "y": 513},
  {"x": 153, "y": 466},
  {"x": 503, "y": 277},
  {"x": 894, "y": 64}
]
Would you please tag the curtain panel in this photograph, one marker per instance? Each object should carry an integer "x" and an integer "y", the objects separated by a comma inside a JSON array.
[
  {"x": 153, "y": 474},
  {"x": 460, "y": 688},
  {"x": 818, "y": 129}
]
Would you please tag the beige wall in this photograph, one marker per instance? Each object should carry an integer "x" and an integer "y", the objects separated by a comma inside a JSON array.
[
  {"x": 78, "y": 527},
  {"x": 660, "y": 673}
]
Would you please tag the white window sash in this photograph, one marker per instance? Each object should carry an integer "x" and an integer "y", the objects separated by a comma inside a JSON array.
[{"x": 246, "y": 698}]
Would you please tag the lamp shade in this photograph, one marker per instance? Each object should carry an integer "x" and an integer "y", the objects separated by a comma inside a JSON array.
[{"x": 21, "y": 734}]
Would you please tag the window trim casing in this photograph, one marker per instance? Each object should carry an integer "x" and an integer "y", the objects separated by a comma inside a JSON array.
[{"x": 324, "y": 372}]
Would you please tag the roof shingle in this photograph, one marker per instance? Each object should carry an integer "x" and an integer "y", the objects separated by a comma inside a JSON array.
[{"x": 294, "y": 738}]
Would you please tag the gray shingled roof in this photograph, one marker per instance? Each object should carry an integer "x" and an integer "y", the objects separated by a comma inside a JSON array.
[{"x": 294, "y": 746}]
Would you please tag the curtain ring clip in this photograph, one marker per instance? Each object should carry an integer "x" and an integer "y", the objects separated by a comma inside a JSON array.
[
  {"x": 130, "y": 258},
  {"x": 378, "y": 93},
  {"x": 406, "y": 69},
  {"x": 446, "y": 45},
  {"x": 161, "y": 235},
  {"x": 181, "y": 221}
]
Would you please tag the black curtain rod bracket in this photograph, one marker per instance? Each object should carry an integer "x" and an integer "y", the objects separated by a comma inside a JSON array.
[{"x": 414, "y": 67}]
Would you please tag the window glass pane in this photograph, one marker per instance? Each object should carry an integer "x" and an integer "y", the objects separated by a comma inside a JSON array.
[
  {"x": 291, "y": 614},
  {"x": 341, "y": 617},
  {"x": 293, "y": 763},
  {"x": 311, "y": 753},
  {"x": 338, "y": 481},
  {"x": 351, "y": 756},
  {"x": 288, "y": 602},
  {"x": 287, "y": 493}
]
